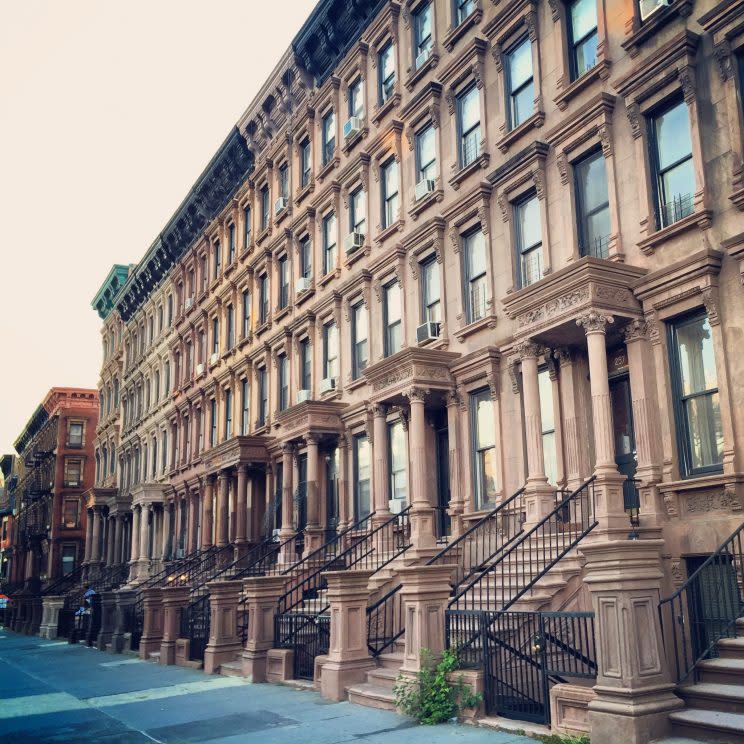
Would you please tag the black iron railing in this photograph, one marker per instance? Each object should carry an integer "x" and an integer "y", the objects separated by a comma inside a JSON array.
[
  {"x": 64, "y": 584},
  {"x": 208, "y": 563},
  {"x": 706, "y": 607},
  {"x": 680, "y": 206}
]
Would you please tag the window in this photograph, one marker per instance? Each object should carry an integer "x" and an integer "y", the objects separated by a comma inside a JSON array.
[
  {"x": 283, "y": 267},
  {"x": 228, "y": 412},
  {"x": 582, "y": 36},
  {"x": 521, "y": 94},
  {"x": 426, "y": 155},
  {"x": 357, "y": 212},
  {"x": 154, "y": 457},
  {"x": 329, "y": 243},
  {"x": 468, "y": 124},
  {"x": 263, "y": 396},
  {"x": 306, "y": 258},
  {"x": 73, "y": 472},
  {"x": 329, "y": 136},
  {"x": 330, "y": 351},
  {"x": 75, "y": 434},
  {"x": 390, "y": 201},
  {"x": 474, "y": 255},
  {"x": 247, "y": 225},
  {"x": 386, "y": 64},
  {"x": 187, "y": 438},
  {"x": 246, "y": 313},
  {"x": 361, "y": 475},
  {"x": 284, "y": 182},
  {"x": 392, "y": 318},
  {"x": 265, "y": 209},
  {"x": 231, "y": 243},
  {"x": 305, "y": 365},
  {"x": 217, "y": 257},
  {"x": 213, "y": 422},
  {"x": 164, "y": 452},
  {"x": 204, "y": 276},
  {"x": 305, "y": 163},
  {"x": 69, "y": 558},
  {"x": 245, "y": 407},
  {"x": 430, "y": 302},
  {"x": 529, "y": 240},
  {"x": 359, "y": 339},
  {"x": 484, "y": 448},
  {"x": 170, "y": 310},
  {"x": 356, "y": 102},
  {"x": 230, "y": 315},
  {"x": 697, "y": 405},
  {"x": 283, "y": 382},
  {"x": 547, "y": 420},
  {"x": 156, "y": 386},
  {"x": 422, "y": 36},
  {"x": 398, "y": 459},
  {"x": 199, "y": 431},
  {"x": 463, "y": 8},
  {"x": 215, "y": 336},
  {"x": 592, "y": 205},
  {"x": 263, "y": 298},
  {"x": 672, "y": 162},
  {"x": 70, "y": 514}
]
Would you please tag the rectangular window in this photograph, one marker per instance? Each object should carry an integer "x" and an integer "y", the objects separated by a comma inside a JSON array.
[
  {"x": 228, "y": 413},
  {"x": 329, "y": 243},
  {"x": 306, "y": 258},
  {"x": 592, "y": 205},
  {"x": 463, "y": 8},
  {"x": 213, "y": 422},
  {"x": 199, "y": 431},
  {"x": 69, "y": 558},
  {"x": 263, "y": 396},
  {"x": 483, "y": 428},
  {"x": 390, "y": 200},
  {"x": 305, "y": 365},
  {"x": 474, "y": 255},
  {"x": 71, "y": 513},
  {"x": 356, "y": 100},
  {"x": 284, "y": 182},
  {"x": 265, "y": 207},
  {"x": 247, "y": 226},
  {"x": 217, "y": 257},
  {"x": 164, "y": 453},
  {"x": 582, "y": 36},
  {"x": 215, "y": 336},
  {"x": 430, "y": 302},
  {"x": 73, "y": 473},
  {"x": 75, "y": 434},
  {"x": 245, "y": 407},
  {"x": 263, "y": 298},
  {"x": 328, "y": 129},
  {"x": 170, "y": 311},
  {"x": 398, "y": 459},
  {"x": 520, "y": 82},
  {"x": 426, "y": 155},
  {"x": 231, "y": 243},
  {"x": 528, "y": 239},
  {"x": 468, "y": 125},
  {"x": 672, "y": 161},
  {"x": 359, "y": 339},
  {"x": 205, "y": 282},
  {"x": 230, "y": 327},
  {"x": 697, "y": 404},
  {"x": 547, "y": 420},
  {"x": 362, "y": 473},
  {"x": 386, "y": 62},
  {"x": 305, "y": 163},
  {"x": 330, "y": 351},
  {"x": 358, "y": 212},
  {"x": 392, "y": 314},
  {"x": 422, "y": 36},
  {"x": 246, "y": 313},
  {"x": 283, "y": 268},
  {"x": 283, "y": 382}
]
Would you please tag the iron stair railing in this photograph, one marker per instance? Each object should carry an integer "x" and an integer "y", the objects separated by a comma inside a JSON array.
[
  {"x": 706, "y": 607},
  {"x": 64, "y": 584}
]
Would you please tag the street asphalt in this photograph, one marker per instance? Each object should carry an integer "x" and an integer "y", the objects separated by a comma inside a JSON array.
[{"x": 51, "y": 691}]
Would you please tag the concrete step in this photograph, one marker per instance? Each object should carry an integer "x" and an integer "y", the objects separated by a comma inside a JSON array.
[
  {"x": 383, "y": 677},
  {"x": 232, "y": 668},
  {"x": 713, "y": 696},
  {"x": 371, "y": 696},
  {"x": 722, "y": 671},
  {"x": 731, "y": 648},
  {"x": 709, "y": 725}
]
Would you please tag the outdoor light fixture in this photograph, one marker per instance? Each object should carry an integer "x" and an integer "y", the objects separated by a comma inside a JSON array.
[{"x": 635, "y": 521}]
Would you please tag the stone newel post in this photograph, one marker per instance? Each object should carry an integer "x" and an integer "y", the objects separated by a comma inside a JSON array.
[
  {"x": 262, "y": 596},
  {"x": 348, "y": 656},
  {"x": 152, "y": 632},
  {"x": 50, "y": 617},
  {"x": 633, "y": 690},
  {"x": 174, "y": 598},
  {"x": 224, "y": 643}
]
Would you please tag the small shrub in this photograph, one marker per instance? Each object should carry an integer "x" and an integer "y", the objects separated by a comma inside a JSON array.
[
  {"x": 430, "y": 697},
  {"x": 564, "y": 739}
]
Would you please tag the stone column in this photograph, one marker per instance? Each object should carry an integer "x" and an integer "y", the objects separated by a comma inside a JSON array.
[
  {"x": 144, "y": 536},
  {"x": 118, "y": 529},
  {"x": 207, "y": 516},
  {"x": 108, "y": 620},
  {"x": 348, "y": 656},
  {"x": 381, "y": 479},
  {"x": 50, "y": 621},
  {"x": 222, "y": 509},
  {"x": 192, "y": 539},
  {"x": 165, "y": 547},
  {"x": 539, "y": 495},
  {"x": 95, "y": 553},
  {"x": 174, "y": 599},
  {"x": 425, "y": 592},
  {"x": 88, "y": 535},
  {"x": 152, "y": 632},
  {"x": 136, "y": 518},
  {"x": 287, "y": 529},
  {"x": 241, "y": 508},
  {"x": 125, "y": 599},
  {"x": 261, "y": 597},
  {"x": 344, "y": 491},
  {"x": 457, "y": 502},
  {"x": 313, "y": 532},
  {"x": 575, "y": 444},
  {"x": 633, "y": 691},
  {"x": 224, "y": 644},
  {"x": 111, "y": 540},
  {"x": 608, "y": 490}
]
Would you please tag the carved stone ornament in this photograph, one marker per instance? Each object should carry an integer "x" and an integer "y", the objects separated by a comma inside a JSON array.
[
  {"x": 594, "y": 322},
  {"x": 530, "y": 20},
  {"x": 710, "y": 300},
  {"x": 686, "y": 77},
  {"x": 562, "y": 163},
  {"x": 555, "y": 10},
  {"x": 514, "y": 374},
  {"x": 416, "y": 394},
  {"x": 454, "y": 234},
  {"x": 504, "y": 206},
  {"x": 538, "y": 178},
  {"x": 605, "y": 138},
  {"x": 528, "y": 350},
  {"x": 634, "y": 117},
  {"x": 636, "y": 330},
  {"x": 723, "y": 59},
  {"x": 671, "y": 505}
]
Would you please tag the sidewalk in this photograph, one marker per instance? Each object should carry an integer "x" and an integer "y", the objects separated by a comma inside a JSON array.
[{"x": 51, "y": 691}]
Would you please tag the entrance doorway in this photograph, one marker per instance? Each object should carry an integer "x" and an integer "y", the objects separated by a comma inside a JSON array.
[
  {"x": 331, "y": 494},
  {"x": 443, "y": 485},
  {"x": 625, "y": 447}
]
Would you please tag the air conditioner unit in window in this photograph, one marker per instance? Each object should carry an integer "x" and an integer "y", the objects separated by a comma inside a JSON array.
[
  {"x": 354, "y": 241},
  {"x": 279, "y": 204},
  {"x": 421, "y": 58},
  {"x": 199, "y": 369},
  {"x": 424, "y": 187},
  {"x": 327, "y": 384},
  {"x": 188, "y": 303},
  {"x": 649, "y": 7},
  {"x": 214, "y": 358},
  {"x": 303, "y": 395},
  {"x": 303, "y": 284},
  {"x": 427, "y": 332},
  {"x": 353, "y": 126}
]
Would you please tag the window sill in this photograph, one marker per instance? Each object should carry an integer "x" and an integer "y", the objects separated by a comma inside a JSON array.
[
  {"x": 247, "y": 249},
  {"x": 455, "y": 33},
  {"x": 230, "y": 268},
  {"x": 382, "y": 236},
  {"x": 359, "y": 253},
  {"x": 352, "y": 141},
  {"x": 356, "y": 383},
  {"x": 416, "y": 75},
  {"x": 648, "y": 29},
  {"x": 701, "y": 219},
  {"x": 303, "y": 191},
  {"x": 279, "y": 313},
  {"x": 263, "y": 235},
  {"x": 301, "y": 297},
  {"x": 535, "y": 121},
  {"x": 281, "y": 215},
  {"x": 263, "y": 327},
  {"x": 600, "y": 71},
  {"x": 478, "y": 325},
  {"x": 433, "y": 197},
  {"x": 328, "y": 277},
  {"x": 479, "y": 163},
  {"x": 329, "y": 166},
  {"x": 383, "y": 109}
]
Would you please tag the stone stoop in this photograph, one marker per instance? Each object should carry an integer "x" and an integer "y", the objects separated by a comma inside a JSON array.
[
  {"x": 714, "y": 706},
  {"x": 377, "y": 691},
  {"x": 154, "y": 656},
  {"x": 231, "y": 668}
]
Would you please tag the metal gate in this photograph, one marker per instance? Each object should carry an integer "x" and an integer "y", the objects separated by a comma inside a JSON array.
[
  {"x": 308, "y": 635},
  {"x": 523, "y": 654}
]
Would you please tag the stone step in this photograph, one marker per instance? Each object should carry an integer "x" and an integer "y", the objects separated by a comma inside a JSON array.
[
  {"x": 713, "y": 696},
  {"x": 371, "y": 696},
  {"x": 232, "y": 668},
  {"x": 154, "y": 656},
  {"x": 393, "y": 660},
  {"x": 722, "y": 671},
  {"x": 383, "y": 677},
  {"x": 740, "y": 627},
  {"x": 731, "y": 648},
  {"x": 709, "y": 725}
]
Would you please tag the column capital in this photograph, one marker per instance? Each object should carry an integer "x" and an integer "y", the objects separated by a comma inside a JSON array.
[
  {"x": 288, "y": 448},
  {"x": 416, "y": 394},
  {"x": 378, "y": 410},
  {"x": 637, "y": 330},
  {"x": 528, "y": 349},
  {"x": 311, "y": 439},
  {"x": 594, "y": 322}
]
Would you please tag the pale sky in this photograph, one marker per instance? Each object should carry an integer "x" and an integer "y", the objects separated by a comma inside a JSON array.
[{"x": 109, "y": 110}]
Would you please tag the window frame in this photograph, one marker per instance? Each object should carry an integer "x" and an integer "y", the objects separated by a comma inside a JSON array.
[
  {"x": 519, "y": 249},
  {"x": 357, "y": 367},
  {"x": 390, "y": 202},
  {"x": 386, "y": 85},
  {"x": 462, "y": 135},
  {"x": 425, "y": 266},
  {"x": 328, "y": 360},
  {"x": 421, "y": 168},
  {"x": 573, "y": 43},
  {"x": 305, "y": 360},
  {"x": 387, "y": 325},
  {"x": 470, "y": 280},
  {"x": 330, "y": 242},
  {"x": 245, "y": 406},
  {"x": 479, "y": 503},
  {"x": 510, "y": 93},
  {"x": 306, "y": 162},
  {"x": 283, "y": 274},
  {"x": 420, "y": 42},
  {"x": 581, "y": 215},
  {"x": 328, "y": 136},
  {"x": 357, "y": 439}
]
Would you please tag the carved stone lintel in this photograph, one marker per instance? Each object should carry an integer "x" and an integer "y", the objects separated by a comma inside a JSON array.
[{"x": 594, "y": 322}]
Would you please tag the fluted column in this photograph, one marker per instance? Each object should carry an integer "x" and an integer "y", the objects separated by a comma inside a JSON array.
[
  {"x": 88, "y": 535},
  {"x": 95, "y": 555},
  {"x": 381, "y": 480},
  {"x": 144, "y": 536},
  {"x": 165, "y": 532},
  {"x": 207, "y": 516},
  {"x": 313, "y": 533},
  {"x": 118, "y": 528},
  {"x": 191, "y": 537},
  {"x": 136, "y": 518},
  {"x": 241, "y": 505},
  {"x": 287, "y": 529},
  {"x": 110, "y": 541},
  {"x": 456, "y": 504},
  {"x": 422, "y": 511},
  {"x": 223, "y": 497}
]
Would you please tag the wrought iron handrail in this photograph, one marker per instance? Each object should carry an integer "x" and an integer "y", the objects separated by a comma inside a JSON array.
[
  {"x": 706, "y": 607},
  {"x": 213, "y": 560},
  {"x": 64, "y": 584},
  {"x": 107, "y": 578}
]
